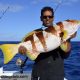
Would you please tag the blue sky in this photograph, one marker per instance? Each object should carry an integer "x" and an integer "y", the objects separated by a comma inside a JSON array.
[{"x": 23, "y": 16}]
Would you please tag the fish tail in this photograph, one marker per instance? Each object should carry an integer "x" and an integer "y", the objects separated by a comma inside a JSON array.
[{"x": 9, "y": 51}]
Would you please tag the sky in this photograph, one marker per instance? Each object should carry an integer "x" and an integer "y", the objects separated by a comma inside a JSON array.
[{"x": 19, "y": 17}]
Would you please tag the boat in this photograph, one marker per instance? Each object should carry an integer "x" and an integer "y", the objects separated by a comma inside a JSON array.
[{"x": 15, "y": 75}]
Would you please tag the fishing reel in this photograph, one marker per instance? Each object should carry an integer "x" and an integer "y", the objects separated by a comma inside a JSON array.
[{"x": 20, "y": 63}]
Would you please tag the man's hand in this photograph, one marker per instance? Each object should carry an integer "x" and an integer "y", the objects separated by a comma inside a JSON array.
[
  {"x": 22, "y": 50},
  {"x": 66, "y": 46},
  {"x": 73, "y": 36}
]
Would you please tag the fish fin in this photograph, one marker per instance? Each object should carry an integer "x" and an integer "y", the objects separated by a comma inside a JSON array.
[
  {"x": 32, "y": 55},
  {"x": 28, "y": 35},
  {"x": 9, "y": 51},
  {"x": 64, "y": 46},
  {"x": 65, "y": 34}
]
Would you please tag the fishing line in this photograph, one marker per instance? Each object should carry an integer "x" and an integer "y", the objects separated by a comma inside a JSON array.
[{"x": 59, "y": 3}]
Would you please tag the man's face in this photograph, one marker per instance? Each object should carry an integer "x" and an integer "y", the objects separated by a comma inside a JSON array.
[{"x": 47, "y": 18}]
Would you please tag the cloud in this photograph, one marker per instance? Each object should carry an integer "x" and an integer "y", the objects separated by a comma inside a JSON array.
[
  {"x": 66, "y": 2},
  {"x": 12, "y": 8},
  {"x": 15, "y": 8},
  {"x": 41, "y": 1},
  {"x": 10, "y": 37},
  {"x": 69, "y": 2}
]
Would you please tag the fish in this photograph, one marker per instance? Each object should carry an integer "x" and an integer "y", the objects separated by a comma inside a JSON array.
[{"x": 42, "y": 40}]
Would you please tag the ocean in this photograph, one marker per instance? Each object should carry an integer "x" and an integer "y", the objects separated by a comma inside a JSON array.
[{"x": 71, "y": 64}]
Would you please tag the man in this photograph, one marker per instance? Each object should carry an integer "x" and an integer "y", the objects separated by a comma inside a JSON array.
[{"x": 50, "y": 65}]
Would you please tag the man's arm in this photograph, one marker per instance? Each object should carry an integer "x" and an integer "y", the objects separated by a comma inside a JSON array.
[{"x": 66, "y": 46}]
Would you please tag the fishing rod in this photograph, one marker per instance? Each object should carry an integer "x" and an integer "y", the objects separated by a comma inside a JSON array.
[
  {"x": 59, "y": 3},
  {"x": 4, "y": 12}
]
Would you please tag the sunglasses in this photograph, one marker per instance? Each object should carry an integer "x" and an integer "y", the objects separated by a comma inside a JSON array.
[{"x": 45, "y": 17}]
